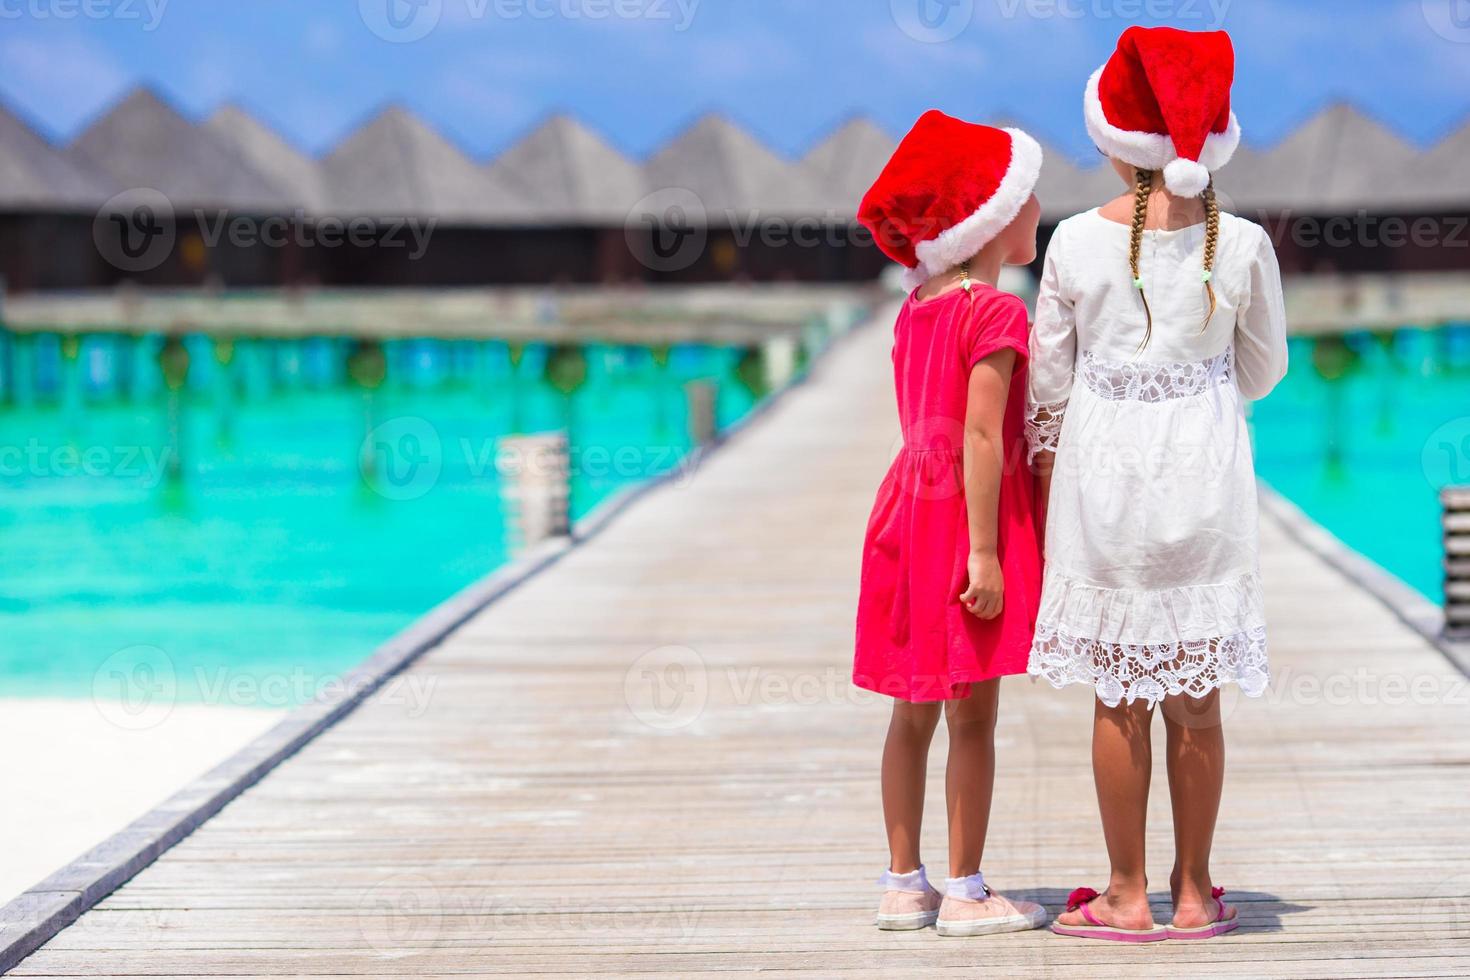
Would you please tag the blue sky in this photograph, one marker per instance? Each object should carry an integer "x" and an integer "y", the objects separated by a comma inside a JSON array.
[{"x": 484, "y": 71}]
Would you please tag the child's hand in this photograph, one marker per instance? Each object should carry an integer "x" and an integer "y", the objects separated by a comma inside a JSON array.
[{"x": 985, "y": 596}]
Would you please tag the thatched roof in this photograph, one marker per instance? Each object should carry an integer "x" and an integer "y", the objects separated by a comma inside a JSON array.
[
  {"x": 1064, "y": 188},
  {"x": 37, "y": 176},
  {"x": 1339, "y": 160},
  {"x": 732, "y": 173},
  {"x": 1439, "y": 178},
  {"x": 295, "y": 173},
  {"x": 144, "y": 142},
  {"x": 571, "y": 174},
  {"x": 395, "y": 166},
  {"x": 844, "y": 164}
]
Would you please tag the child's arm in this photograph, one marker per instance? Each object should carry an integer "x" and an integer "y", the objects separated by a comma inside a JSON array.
[
  {"x": 1260, "y": 328},
  {"x": 985, "y": 406},
  {"x": 1053, "y": 360}
]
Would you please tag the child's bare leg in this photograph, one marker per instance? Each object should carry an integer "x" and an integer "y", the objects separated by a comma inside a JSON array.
[
  {"x": 905, "y": 759},
  {"x": 1196, "y": 758},
  {"x": 969, "y": 779},
  {"x": 1122, "y": 759}
]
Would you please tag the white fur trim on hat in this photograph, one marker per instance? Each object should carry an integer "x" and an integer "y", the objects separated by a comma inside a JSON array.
[
  {"x": 954, "y": 245},
  {"x": 1153, "y": 151},
  {"x": 1220, "y": 147}
]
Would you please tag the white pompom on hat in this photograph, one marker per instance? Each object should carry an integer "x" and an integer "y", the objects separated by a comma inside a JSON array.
[{"x": 1162, "y": 102}]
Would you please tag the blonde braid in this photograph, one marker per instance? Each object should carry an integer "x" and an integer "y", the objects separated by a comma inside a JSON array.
[
  {"x": 1145, "y": 180},
  {"x": 1212, "y": 240}
]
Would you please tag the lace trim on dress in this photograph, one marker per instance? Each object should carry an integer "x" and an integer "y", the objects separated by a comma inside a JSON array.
[
  {"x": 1043, "y": 428},
  {"x": 1138, "y": 382},
  {"x": 1150, "y": 616},
  {"x": 1127, "y": 672}
]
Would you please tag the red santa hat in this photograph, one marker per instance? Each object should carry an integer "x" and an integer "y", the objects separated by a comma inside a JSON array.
[
  {"x": 1162, "y": 102},
  {"x": 950, "y": 188}
]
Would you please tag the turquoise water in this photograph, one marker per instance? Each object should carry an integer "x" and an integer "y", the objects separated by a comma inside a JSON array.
[
  {"x": 1364, "y": 431},
  {"x": 269, "y": 551},
  {"x": 266, "y": 555}
]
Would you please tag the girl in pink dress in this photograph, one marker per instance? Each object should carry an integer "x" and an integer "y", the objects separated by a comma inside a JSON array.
[{"x": 951, "y": 574}]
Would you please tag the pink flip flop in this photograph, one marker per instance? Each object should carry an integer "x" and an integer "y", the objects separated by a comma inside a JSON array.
[
  {"x": 1210, "y": 930},
  {"x": 1080, "y": 899}
]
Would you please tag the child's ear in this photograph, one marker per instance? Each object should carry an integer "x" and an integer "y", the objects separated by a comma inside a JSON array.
[
  {"x": 1023, "y": 233},
  {"x": 1126, "y": 171}
]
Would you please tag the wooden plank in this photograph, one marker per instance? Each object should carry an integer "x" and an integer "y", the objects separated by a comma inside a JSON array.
[{"x": 648, "y": 761}]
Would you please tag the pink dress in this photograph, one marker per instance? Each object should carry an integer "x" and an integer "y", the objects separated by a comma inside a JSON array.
[{"x": 915, "y": 641}]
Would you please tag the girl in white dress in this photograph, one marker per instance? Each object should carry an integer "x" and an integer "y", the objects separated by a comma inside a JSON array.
[{"x": 1158, "y": 316}]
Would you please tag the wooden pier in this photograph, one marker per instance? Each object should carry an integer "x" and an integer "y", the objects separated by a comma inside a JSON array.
[{"x": 647, "y": 760}]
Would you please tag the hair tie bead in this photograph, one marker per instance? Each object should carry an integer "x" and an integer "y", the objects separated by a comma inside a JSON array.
[
  {"x": 1138, "y": 283},
  {"x": 1208, "y": 275}
]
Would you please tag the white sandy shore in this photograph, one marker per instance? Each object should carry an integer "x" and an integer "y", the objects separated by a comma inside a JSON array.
[{"x": 73, "y": 776}]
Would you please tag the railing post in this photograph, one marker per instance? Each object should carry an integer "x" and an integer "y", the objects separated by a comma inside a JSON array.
[
  {"x": 703, "y": 424},
  {"x": 779, "y": 354},
  {"x": 1456, "y": 504},
  {"x": 537, "y": 474}
]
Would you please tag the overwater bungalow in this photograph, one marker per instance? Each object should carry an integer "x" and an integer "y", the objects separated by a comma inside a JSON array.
[{"x": 562, "y": 205}]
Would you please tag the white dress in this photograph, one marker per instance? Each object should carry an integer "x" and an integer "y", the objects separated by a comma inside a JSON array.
[{"x": 1152, "y": 582}]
